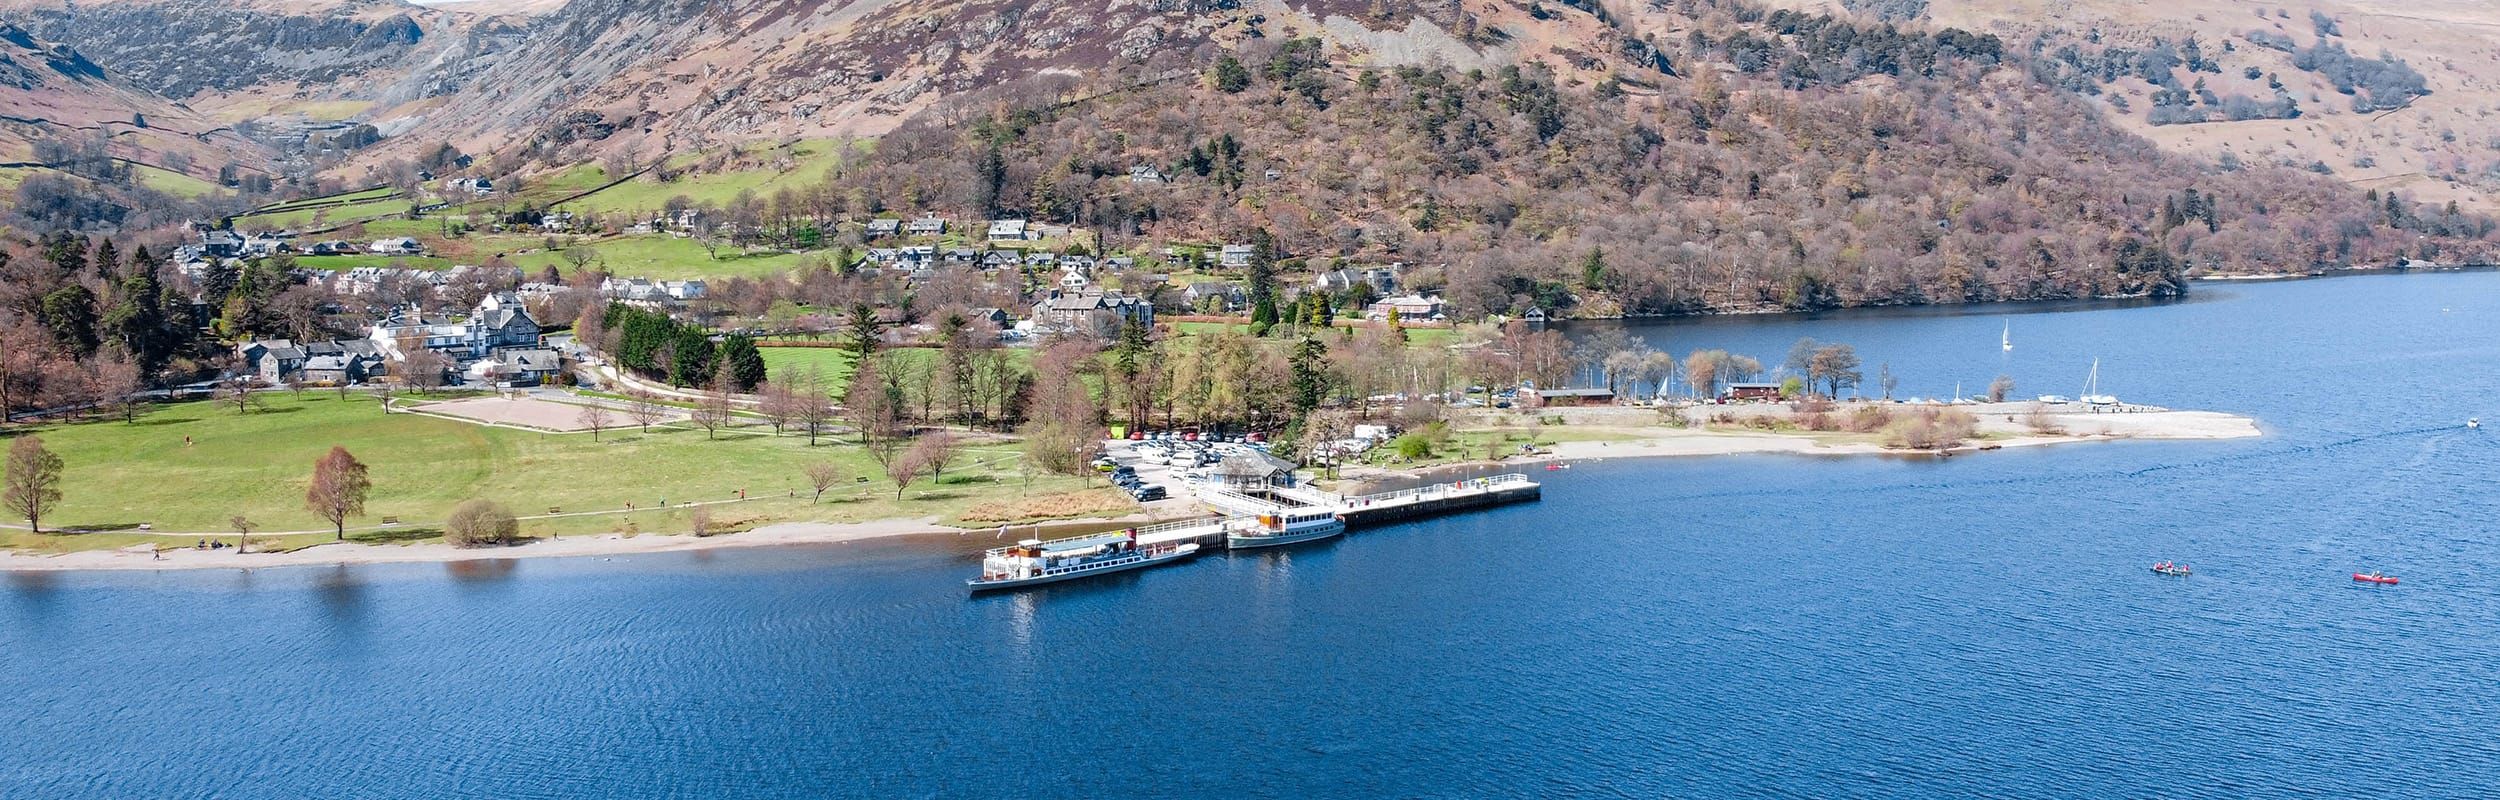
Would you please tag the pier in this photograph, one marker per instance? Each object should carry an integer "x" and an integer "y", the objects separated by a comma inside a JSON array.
[{"x": 1235, "y": 509}]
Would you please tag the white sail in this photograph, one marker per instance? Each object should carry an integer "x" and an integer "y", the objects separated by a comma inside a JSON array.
[{"x": 2007, "y": 340}]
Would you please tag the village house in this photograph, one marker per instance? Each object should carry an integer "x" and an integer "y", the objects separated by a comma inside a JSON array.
[
  {"x": 1751, "y": 391},
  {"x": 1214, "y": 296},
  {"x": 221, "y": 244},
  {"x": 927, "y": 226},
  {"x": 1091, "y": 311},
  {"x": 883, "y": 228},
  {"x": 1416, "y": 307},
  {"x": 1147, "y": 173},
  {"x": 1564, "y": 398},
  {"x": 398, "y": 246},
  {"x": 1252, "y": 471},
  {"x": 1009, "y": 230},
  {"x": 498, "y": 323},
  {"x": 1237, "y": 256}
]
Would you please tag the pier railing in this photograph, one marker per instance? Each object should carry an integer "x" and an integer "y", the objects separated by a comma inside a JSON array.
[
  {"x": 1143, "y": 532},
  {"x": 1492, "y": 483}
]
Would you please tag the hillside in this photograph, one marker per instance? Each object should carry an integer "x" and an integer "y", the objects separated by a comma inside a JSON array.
[
  {"x": 281, "y": 63},
  {"x": 69, "y": 127},
  {"x": 2434, "y": 146}
]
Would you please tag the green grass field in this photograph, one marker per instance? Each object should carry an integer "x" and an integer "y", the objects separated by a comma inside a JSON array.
[
  {"x": 352, "y": 262},
  {"x": 307, "y": 213},
  {"x": 664, "y": 257},
  {"x": 174, "y": 183},
  {"x": 120, "y": 475},
  {"x": 807, "y": 162}
]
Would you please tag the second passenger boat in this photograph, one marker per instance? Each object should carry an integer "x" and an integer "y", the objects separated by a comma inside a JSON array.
[{"x": 1291, "y": 527}]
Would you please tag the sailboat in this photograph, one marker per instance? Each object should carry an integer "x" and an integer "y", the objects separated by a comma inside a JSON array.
[
  {"x": 2007, "y": 340},
  {"x": 2092, "y": 388}
]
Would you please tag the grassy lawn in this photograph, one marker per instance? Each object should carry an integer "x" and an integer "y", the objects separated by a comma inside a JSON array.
[
  {"x": 665, "y": 257},
  {"x": 838, "y": 363},
  {"x": 173, "y": 183},
  {"x": 352, "y": 262},
  {"x": 308, "y": 213},
  {"x": 806, "y": 164},
  {"x": 122, "y": 474}
]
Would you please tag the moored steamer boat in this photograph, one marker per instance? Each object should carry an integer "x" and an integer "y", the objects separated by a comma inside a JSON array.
[
  {"x": 1291, "y": 527},
  {"x": 1033, "y": 562}
]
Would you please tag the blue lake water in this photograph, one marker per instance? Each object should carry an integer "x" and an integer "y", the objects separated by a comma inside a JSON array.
[{"x": 1734, "y": 627}]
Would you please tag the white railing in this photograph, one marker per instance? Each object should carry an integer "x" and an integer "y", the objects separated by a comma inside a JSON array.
[
  {"x": 1116, "y": 534},
  {"x": 1489, "y": 483}
]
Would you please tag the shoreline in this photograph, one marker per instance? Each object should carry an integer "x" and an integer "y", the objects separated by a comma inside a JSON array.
[{"x": 1648, "y": 442}]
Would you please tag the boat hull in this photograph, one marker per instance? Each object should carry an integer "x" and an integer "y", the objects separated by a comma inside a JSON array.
[
  {"x": 978, "y": 585},
  {"x": 1238, "y": 541},
  {"x": 2384, "y": 580}
]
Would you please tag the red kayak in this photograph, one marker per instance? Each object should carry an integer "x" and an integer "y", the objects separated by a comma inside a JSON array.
[{"x": 2374, "y": 577}]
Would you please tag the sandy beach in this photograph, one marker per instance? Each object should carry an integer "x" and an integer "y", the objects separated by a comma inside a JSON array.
[
  {"x": 2004, "y": 421},
  {"x": 606, "y": 544}
]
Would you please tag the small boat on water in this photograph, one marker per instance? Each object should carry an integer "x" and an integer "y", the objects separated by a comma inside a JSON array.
[
  {"x": 1553, "y": 467},
  {"x": 2473, "y": 422},
  {"x": 2173, "y": 570},
  {"x": 2007, "y": 339},
  {"x": 1033, "y": 562},
  {"x": 1292, "y": 527},
  {"x": 2374, "y": 577}
]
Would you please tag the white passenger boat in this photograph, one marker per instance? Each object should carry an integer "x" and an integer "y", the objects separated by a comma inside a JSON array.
[
  {"x": 1291, "y": 527},
  {"x": 1033, "y": 562}
]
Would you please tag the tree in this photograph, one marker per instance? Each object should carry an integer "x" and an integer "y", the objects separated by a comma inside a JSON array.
[
  {"x": 821, "y": 476},
  {"x": 934, "y": 450},
  {"x": 1887, "y": 379},
  {"x": 644, "y": 409},
  {"x": 1801, "y": 361},
  {"x": 743, "y": 362},
  {"x": 34, "y": 481},
  {"x": 1701, "y": 370},
  {"x": 1061, "y": 436},
  {"x": 117, "y": 386},
  {"x": 1228, "y": 75},
  {"x": 338, "y": 489},
  {"x": 1838, "y": 366},
  {"x": 713, "y": 411},
  {"x": 866, "y": 332},
  {"x": 874, "y": 405},
  {"x": 902, "y": 467},
  {"x": 426, "y": 370},
  {"x": 242, "y": 532},
  {"x": 593, "y": 416},
  {"x": 22, "y": 346},
  {"x": 811, "y": 405},
  {"x": 700, "y": 521},
  {"x": 1999, "y": 388},
  {"x": 239, "y": 388},
  {"x": 479, "y": 522},
  {"x": 69, "y": 312}
]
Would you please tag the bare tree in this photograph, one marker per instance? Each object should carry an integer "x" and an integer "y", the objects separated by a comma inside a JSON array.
[
  {"x": 714, "y": 411},
  {"x": 339, "y": 486},
  {"x": 1999, "y": 388},
  {"x": 644, "y": 409},
  {"x": 117, "y": 386},
  {"x": 242, "y": 532},
  {"x": 700, "y": 519},
  {"x": 821, "y": 476},
  {"x": 34, "y": 481},
  {"x": 934, "y": 450},
  {"x": 779, "y": 403},
  {"x": 901, "y": 467},
  {"x": 426, "y": 370},
  {"x": 812, "y": 406},
  {"x": 241, "y": 390},
  {"x": 594, "y": 416},
  {"x": 383, "y": 391}
]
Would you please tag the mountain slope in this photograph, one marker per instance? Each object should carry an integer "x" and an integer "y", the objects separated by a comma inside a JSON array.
[
  {"x": 51, "y": 95},
  {"x": 2435, "y": 146}
]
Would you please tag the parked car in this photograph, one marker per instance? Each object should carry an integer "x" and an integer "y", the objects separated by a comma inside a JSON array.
[{"x": 1148, "y": 493}]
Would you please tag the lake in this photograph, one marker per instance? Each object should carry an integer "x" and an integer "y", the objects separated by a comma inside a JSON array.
[{"x": 1730, "y": 627}]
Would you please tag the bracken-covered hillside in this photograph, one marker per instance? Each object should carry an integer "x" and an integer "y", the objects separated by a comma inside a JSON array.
[{"x": 1862, "y": 165}]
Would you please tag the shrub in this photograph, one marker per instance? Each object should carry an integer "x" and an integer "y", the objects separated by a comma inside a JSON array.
[
  {"x": 481, "y": 523},
  {"x": 1930, "y": 429},
  {"x": 1869, "y": 419}
]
